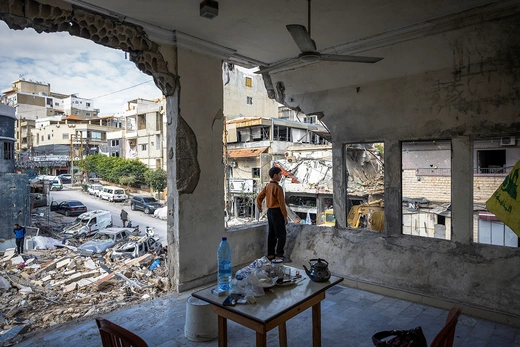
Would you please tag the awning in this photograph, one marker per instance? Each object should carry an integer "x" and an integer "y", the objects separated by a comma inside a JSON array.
[{"x": 246, "y": 152}]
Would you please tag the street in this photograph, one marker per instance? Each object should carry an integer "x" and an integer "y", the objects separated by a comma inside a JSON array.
[{"x": 94, "y": 203}]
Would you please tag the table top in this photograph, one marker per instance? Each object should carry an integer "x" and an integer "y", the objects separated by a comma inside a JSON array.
[{"x": 276, "y": 301}]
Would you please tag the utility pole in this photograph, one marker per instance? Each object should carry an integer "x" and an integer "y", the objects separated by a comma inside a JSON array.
[
  {"x": 71, "y": 152},
  {"x": 75, "y": 139}
]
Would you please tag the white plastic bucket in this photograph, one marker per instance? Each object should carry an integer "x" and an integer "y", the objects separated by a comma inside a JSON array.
[{"x": 201, "y": 321}]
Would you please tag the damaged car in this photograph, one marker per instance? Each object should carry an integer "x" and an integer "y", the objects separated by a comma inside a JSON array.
[
  {"x": 106, "y": 239},
  {"x": 136, "y": 247},
  {"x": 88, "y": 223}
]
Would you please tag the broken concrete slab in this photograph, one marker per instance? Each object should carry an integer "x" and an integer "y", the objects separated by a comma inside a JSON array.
[
  {"x": 63, "y": 263},
  {"x": 4, "y": 283},
  {"x": 13, "y": 332},
  {"x": 70, "y": 287},
  {"x": 17, "y": 260},
  {"x": 89, "y": 264}
]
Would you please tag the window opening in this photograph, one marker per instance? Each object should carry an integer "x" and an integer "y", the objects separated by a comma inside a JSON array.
[
  {"x": 426, "y": 186},
  {"x": 493, "y": 160},
  {"x": 8, "y": 151},
  {"x": 364, "y": 175}
]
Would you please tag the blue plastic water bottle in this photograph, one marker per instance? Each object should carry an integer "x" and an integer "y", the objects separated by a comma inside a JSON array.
[
  {"x": 156, "y": 263},
  {"x": 224, "y": 264}
]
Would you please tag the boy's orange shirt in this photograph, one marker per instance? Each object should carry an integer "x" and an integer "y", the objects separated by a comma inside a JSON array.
[{"x": 274, "y": 197}]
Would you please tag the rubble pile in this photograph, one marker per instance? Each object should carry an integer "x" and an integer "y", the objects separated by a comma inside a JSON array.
[{"x": 41, "y": 288}]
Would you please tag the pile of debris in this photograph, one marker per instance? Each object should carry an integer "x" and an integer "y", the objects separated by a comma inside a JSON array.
[{"x": 41, "y": 288}]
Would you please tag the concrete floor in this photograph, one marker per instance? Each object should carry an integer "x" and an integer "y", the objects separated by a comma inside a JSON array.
[{"x": 349, "y": 318}]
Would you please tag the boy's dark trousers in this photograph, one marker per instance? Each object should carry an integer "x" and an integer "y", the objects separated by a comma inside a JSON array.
[
  {"x": 277, "y": 233},
  {"x": 19, "y": 245}
]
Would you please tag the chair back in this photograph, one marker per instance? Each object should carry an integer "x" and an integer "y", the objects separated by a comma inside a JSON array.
[
  {"x": 446, "y": 336},
  {"x": 113, "y": 335}
]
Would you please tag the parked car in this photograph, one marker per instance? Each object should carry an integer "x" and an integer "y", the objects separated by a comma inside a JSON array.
[
  {"x": 113, "y": 194},
  {"x": 136, "y": 247},
  {"x": 148, "y": 204},
  {"x": 89, "y": 223},
  {"x": 106, "y": 239},
  {"x": 95, "y": 189},
  {"x": 38, "y": 200},
  {"x": 69, "y": 207},
  {"x": 55, "y": 184},
  {"x": 65, "y": 178}
]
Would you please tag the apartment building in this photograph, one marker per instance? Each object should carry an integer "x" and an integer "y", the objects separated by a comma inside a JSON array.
[
  {"x": 141, "y": 133},
  {"x": 34, "y": 101}
]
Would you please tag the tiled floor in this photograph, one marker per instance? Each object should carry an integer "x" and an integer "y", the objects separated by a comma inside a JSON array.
[{"x": 349, "y": 318}]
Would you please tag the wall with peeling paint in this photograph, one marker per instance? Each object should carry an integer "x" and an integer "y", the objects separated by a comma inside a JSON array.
[
  {"x": 475, "y": 275},
  {"x": 200, "y": 172},
  {"x": 465, "y": 86}
]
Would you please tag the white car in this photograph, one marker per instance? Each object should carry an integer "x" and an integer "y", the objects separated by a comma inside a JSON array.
[
  {"x": 88, "y": 223},
  {"x": 113, "y": 194},
  {"x": 95, "y": 189}
]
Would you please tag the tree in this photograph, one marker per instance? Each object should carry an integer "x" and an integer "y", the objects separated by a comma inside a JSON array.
[
  {"x": 115, "y": 169},
  {"x": 156, "y": 179},
  {"x": 127, "y": 180}
]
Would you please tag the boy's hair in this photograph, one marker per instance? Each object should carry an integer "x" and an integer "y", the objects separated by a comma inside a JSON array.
[{"x": 273, "y": 171}]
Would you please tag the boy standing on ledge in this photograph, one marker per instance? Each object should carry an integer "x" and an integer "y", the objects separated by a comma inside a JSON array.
[{"x": 276, "y": 214}]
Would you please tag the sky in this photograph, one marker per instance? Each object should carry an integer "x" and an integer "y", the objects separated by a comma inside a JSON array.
[{"x": 73, "y": 65}]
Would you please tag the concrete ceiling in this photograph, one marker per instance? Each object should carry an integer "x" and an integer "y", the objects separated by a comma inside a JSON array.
[
  {"x": 412, "y": 36},
  {"x": 255, "y": 32}
]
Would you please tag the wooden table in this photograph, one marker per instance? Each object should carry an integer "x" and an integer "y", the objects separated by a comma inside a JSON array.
[{"x": 272, "y": 310}]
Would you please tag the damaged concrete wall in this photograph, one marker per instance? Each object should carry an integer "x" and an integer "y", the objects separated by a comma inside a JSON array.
[
  {"x": 471, "y": 275},
  {"x": 14, "y": 203}
]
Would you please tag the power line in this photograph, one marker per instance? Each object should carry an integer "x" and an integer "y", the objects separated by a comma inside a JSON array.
[
  {"x": 117, "y": 91},
  {"x": 97, "y": 97}
]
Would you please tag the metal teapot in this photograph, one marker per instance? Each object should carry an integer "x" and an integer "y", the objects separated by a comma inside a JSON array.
[{"x": 319, "y": 271}]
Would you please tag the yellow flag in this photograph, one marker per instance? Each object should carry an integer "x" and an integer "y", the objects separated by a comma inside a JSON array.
[{"x": 505, "y": 201}]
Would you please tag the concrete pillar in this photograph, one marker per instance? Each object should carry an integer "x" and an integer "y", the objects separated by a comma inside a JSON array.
[
  {"x": 195, "y": 170},
  {"x": 393, "y": 187},
  {"x": 339, "y": 177},
  {"x": 462, "y": 189}
]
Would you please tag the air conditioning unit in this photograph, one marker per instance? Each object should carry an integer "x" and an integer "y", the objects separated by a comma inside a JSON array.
[
  {"x": 291, "y": 159},
  {"x": 507, "y": 141},
  {"x": 233, "y": 164}
]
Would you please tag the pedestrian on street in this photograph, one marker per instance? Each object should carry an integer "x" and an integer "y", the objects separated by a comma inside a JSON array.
[
  {"x": 124, "y": 217},
  {"x": 276, "y": 214},
  {"x": 19, "y": 234}
]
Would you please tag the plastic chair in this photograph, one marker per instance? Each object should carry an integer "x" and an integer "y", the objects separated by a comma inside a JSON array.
[
  {"x": 445, "y": 337},
  {"x": 113, "y": 335}
]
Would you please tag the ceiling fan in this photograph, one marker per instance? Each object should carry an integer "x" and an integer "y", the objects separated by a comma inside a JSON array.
[{"x": 309, "y": 54}]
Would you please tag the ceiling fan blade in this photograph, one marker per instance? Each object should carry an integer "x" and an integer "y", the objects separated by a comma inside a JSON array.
[
  {"x": 301, "y": 37},
  {"x": 284, "y": 64},
  {"x": 349, "y": 58}
]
